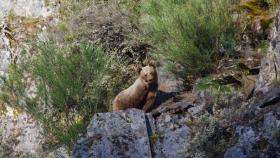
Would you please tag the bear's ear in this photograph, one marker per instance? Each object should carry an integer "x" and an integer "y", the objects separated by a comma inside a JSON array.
[{"x": 152, "y": 63}]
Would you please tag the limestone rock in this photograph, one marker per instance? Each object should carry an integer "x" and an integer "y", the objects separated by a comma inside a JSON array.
[
  {"x": 173, "y": 134},
  {"x": 268, "y": 74},
  {"x": 116, "y": 134},
  {"x": 257, "y": 139},
  {"x": 235, "y": 152},
  {"x": 271, "y": 98},
  {"x": 132, "y": 133},
  {"x": 33, "y": 8},
  {"x": 61, "y": 152},
  {"x": 167, "y": 81},
  {"x": 4, "y": 61},
  {"x": 20, "y": 134}
]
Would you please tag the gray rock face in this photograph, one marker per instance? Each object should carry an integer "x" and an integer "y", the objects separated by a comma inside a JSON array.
[
  {"x": 4, "y": 49},
  {"x": 167, "y": 81},
  {"x": 4, "y": 61},
  {"x": 61, "y": 152},
  {"x": 271, "y": 98},
  {"x": 173, "y": 134},
  {"x": 270, "y": 69},
  {"x": 34, "y": 8},
  {"x": 268, "y": 74},
  {"x": 20, "y": 134},
  {"x": 200, "y": 104},
  {"x": 129, "y": 133},
  {"x": 276, "y": 36},
  {"x": 259, "y": 139},
  {"x": 235, "y": 152},
  {"x": 117, "y": 134}
]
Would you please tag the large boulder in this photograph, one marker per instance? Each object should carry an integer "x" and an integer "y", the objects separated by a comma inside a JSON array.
[
  {"x": 116, "y": 134},
  {"x": 132, "y": 133}
]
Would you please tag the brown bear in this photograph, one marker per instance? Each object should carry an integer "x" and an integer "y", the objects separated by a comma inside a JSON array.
[{"x": 142, "y": 93}]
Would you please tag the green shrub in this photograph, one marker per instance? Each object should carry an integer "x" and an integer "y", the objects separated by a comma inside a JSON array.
[
  {"x": 191, "y": 33},
  {"x": 215, "y": 86},
  {"x": 63, "y": 86}
]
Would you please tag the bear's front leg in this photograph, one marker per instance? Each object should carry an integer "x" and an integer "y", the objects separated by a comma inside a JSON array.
[{"x": 150, "y": 99}]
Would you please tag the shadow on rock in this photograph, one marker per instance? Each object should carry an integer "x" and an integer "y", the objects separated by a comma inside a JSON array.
[{"x": 162, "y": 97}]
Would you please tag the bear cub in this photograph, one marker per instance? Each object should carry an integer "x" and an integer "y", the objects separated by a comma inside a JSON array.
[{"x": 142, "y": 93}]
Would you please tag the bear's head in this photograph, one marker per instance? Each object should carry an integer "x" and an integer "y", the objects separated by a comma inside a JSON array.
[{"x": 148, "y": 74}]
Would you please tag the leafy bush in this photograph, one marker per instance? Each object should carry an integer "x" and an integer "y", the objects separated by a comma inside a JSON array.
[
  {"x": 191, "y": 33},
  {"x": 64, "y": 86}
]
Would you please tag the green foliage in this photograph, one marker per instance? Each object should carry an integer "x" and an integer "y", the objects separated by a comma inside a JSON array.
[
  {"x": 154, "y": 138},
  {"x": 63, "y": 86},
  {"x": 191, "y": 33},
  {"x": 68, "y": 37},
  {"x": 213, "y": 85},
  {"x": 62, "y": 26},
  {"x": 133, "y": 7},
  {"x": 69, "y": 135},
  {"x": 68, "y": 75}
]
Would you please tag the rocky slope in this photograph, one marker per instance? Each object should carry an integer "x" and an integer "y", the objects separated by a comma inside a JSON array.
[
  {"x": 20, "y": 21},
  {"x": 251, "y": 125},
  {"x": 248, "y": 121}
]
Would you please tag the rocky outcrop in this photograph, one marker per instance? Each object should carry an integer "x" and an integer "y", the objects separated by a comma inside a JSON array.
[
  {"x": 132, "y": 133},
  {"x": 21, "y": 20},
  {"x": 257, "y": 139},
  {"x": 241, "y": 126},
  {"x": 170, "y": 136},
  {"x": 20, "y": 134},
  {"x": 118, "y": 134},
  {"x": 258, "y": 136},
  {"x": 270, "y": 70},
  {"x": 31, "y": 8}
]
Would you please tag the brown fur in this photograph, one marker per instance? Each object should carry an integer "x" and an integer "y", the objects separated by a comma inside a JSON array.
[{"x": 142, "y": 93}]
